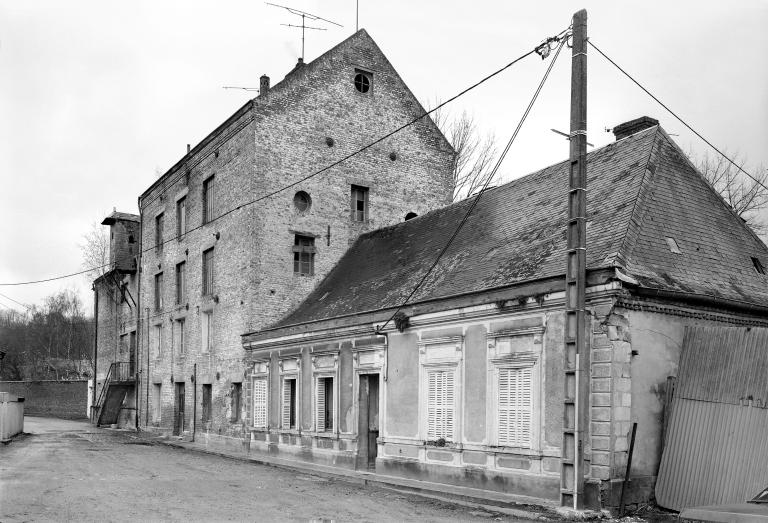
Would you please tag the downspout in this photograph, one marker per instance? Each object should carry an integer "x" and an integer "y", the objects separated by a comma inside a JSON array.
[
  {"x": 95, "y": 345},
  {"x": 137, "y": 303}
]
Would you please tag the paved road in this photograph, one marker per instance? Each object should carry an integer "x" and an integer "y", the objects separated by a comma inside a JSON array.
[{"x": 66, "y": 471}]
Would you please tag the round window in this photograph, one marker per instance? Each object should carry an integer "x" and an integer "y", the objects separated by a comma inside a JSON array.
[
  {"x": 362, "y": 83},
  {"x": 302, "y": 201}
]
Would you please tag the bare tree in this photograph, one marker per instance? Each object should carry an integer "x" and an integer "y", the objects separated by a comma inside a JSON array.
[
  {"x": 747, "y": 196},
  {"x": 95, "y": 251},
  {"x": 475, "y": 154}
]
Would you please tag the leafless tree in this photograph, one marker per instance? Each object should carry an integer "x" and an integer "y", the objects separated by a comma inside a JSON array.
[
  {"x": 95, "y": 251},
  {"x": 52, "y": 341},
  {"x": 476, "y": 154},
  {"x": 747, "y": 196}
]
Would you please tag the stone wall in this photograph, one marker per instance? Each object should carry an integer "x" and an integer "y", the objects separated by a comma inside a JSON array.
[
  {"x": 56, "y": 399},
  {"x": 311, "y": 120}
]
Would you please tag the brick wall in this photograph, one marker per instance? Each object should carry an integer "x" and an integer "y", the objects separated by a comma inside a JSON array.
[
  {"x": 56, "y": 399},
  {"x": 312, "y": 119}
]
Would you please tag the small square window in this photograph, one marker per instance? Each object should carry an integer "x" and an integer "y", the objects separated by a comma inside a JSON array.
[
  {"x": 304, "y": 255},
  {"x": 359, "y": 202}
]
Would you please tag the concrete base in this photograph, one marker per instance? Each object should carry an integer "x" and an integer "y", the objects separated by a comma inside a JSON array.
[{"x": 529, "y": 485}]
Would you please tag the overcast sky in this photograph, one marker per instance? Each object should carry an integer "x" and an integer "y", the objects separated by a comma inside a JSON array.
[{"x": 97, "y": 97}]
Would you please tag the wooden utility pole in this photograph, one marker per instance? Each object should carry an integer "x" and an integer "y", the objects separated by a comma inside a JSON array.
[{"x": 575, "y": 406}]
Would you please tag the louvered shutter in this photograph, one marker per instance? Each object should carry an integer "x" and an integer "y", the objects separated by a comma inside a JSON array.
[
  {"x": 320, "y": 405},
  {"x": 260, "y": 402},
  {"x": 515, "y": 407},
  {"x": 286, "y": 404},
  {"x": 440, "y": 404}
]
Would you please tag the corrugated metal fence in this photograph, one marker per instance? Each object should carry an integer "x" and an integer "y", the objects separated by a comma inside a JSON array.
[{"x": 717, "y": 441}]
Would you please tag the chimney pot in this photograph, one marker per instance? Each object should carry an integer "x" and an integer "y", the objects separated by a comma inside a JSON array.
[
  {"x": 189, "y": 148},
  {"x": 264, "y": 85},
  {"x": 634, "y": 126}
]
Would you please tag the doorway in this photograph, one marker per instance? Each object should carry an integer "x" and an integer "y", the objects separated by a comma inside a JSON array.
[
  {"x": 178, "y": 418},
  {"x": 368, "y": 421}
]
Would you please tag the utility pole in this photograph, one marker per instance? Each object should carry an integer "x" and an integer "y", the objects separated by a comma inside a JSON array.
[{"x": 575, "y": 356}]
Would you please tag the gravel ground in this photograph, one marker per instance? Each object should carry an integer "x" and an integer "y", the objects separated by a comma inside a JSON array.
[{"x": 66, "y": 471}]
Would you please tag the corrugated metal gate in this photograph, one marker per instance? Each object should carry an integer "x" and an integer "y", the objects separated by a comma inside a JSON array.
[{"x": 717, "y": 441}]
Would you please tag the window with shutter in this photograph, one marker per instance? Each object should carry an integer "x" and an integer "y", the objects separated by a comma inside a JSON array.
[
  {"x": 260, "y": 402},
  {"x": 440, "y": 404},
  {"x": 515, "y": 406},
  {"x": 289, "y": 403},
  {"x": 320, "y": 405}
]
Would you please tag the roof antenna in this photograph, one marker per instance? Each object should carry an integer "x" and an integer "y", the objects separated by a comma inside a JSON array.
[{"x": 304, "y": 15}]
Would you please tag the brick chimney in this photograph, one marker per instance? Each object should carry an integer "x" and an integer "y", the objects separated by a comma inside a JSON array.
[
  {"x": 264, "y": 85},
  {"x": 633, "y": 126}
]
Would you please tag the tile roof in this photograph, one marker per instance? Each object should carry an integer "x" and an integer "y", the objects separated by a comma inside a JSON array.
[{"x": 641, "y": 191}]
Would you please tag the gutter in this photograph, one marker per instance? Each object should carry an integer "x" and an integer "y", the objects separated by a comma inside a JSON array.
[{"x": 703, "y": 299}]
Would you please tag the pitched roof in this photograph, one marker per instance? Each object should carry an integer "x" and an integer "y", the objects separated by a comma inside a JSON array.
[{"x": 641, "y": 191}]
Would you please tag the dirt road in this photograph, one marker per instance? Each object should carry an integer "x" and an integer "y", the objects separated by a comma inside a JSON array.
[{"x": 67, "y": 471}]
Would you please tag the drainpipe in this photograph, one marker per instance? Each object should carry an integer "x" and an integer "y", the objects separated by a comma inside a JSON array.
[
  {"x": 137, "y": 303},
  {"x": 95, "y": 345}
]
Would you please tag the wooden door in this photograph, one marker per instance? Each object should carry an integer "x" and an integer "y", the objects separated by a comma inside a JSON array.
[
  {"x": 178, "y": 418},
  {"x": 368, "y": 421}
]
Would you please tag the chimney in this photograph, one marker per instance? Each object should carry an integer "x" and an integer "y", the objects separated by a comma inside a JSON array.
[
  {"x": 264, "y": 85},
  {"x": 189, "y": 148},
  {"x": 634, "y": 126}
]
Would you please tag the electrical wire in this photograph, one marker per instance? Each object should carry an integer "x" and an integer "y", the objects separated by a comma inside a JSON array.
[
  {"x": 558, "y": 37},
  {"x": 482, "y": 190},
  {"x": 17, "y": 302},
  {"x": 670, "y": 111}
]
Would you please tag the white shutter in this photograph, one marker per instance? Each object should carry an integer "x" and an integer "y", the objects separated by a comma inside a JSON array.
[
  {"x": 260, "y": 402},
  {"x": 440, "y": 404},
  {"x": 286, "y": 404},
  {"x": 515, "y": 407},
  {"x": 320, "y": 405}
]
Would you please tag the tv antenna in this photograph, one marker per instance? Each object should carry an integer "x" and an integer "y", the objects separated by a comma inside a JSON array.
[{"x": 304, "y": 16}]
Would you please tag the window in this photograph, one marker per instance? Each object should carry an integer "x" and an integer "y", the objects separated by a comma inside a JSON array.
[
  {"x": 289, "y": 403},
  {"x": 181, "y": 217},
  {"x": 181, "y": 283},
  {"x": 515, "y": 406},
  {"x": 324, "y": 405},
  {"x": 180, "y": 335},
  {"x": 207, "y": 331},
  {"x": 302, "y": 201},
  {"x": 758, "y": 265},
  {"x": 206, "y": 414},
  {"x": 236, "y": 397},
  {"x": 359, "y": 203},
  {"x": 260, "y": 402},
  {"x": 157, "y": 340},
  {"x": 440, "y": 404},
  {"x": 157, "y": 399},
  {"x": 363, "y": 80},
  {"x": 159, "y": 223},
  {"x": 158, "y": 291},
  {"x": 209, "y": 200},
  {"x": 304, "y": 255},
  {"x": 208, "y": 272}
]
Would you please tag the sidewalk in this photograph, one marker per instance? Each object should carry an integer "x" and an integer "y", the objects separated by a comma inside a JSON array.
[{"x": 517, "y": 506}]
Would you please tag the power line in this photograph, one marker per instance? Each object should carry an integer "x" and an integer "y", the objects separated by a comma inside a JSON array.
[
  {"x": 721, "y": 153},
  {"x": 17, "y": 302},
  {"x": 482, "y": 190},
  {"x": 558, "y": 37}
]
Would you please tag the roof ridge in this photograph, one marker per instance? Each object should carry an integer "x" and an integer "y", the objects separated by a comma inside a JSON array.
[{"x": 638, "y": 205}]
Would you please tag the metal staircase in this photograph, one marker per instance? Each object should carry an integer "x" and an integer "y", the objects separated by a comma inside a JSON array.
[{"x": 120, "y": 381}]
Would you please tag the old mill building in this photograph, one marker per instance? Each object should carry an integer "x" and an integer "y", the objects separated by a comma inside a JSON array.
[{"x": 268, "y": 323}]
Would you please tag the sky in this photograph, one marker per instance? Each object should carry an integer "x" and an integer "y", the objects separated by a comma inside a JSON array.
[{"x": 97, "y": 98}]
